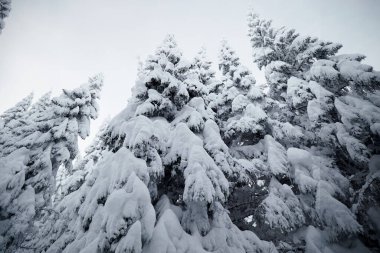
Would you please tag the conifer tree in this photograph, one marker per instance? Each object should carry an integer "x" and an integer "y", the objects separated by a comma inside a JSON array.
[
  {"x": 11, "y": 119},
  {"x": 17, "y": 111},
  {"x": 323, "y": 94},
  {"x": 41, "y": 104},
  {"x": 72, "y": 180},
  {"x": 192, "y": 161},
  {"x": 46, "y": 140},
  {"x": 283, "y": 52},
  {"x": 161, "y": 184},
  {"x": 240, "y": 102},
  {"x": 202, "y": 68}
]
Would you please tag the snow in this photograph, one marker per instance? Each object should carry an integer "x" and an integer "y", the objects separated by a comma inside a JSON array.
[
  {"x": 357, "y": 150},
  {"x": 316, "y": 242},
  {"x": 204, "y": 181},
  {"x": 112, "y": 200},
  {"x": 335, "y": 216},
  {"x": 212, "y": 139},
  {"x": 324, "y": 71},
  {"x": 314, "y": 111},
  {"x": 194, "y": 114},
  {"x": 232, "y": 93},
  {"x": 276, "y": 73},
  {"x": 283, "y": 210},
  {"x": 168, "y": 236},
  {"x": 353, "y": 109},
  {"x": 285, "y": 131},
  {"x": 17, "y": 201},
  {"x": 239, "y": 103},
  {"x": 310, "y": 169},
  {"x": 348, "y": 57},
  {"x": 18, "y": 110},
  {"x": 218, "y": 150},
  {"x": 277, "y": 158},
  {"x": 255, "y": 93},
  {"x": 297, "y": 92},
  {"x": 255, "y": 112},
  {"x": 49, "y": 130}
]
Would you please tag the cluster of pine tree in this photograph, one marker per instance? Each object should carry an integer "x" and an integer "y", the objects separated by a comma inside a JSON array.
[{"x": 200, "y": 162}]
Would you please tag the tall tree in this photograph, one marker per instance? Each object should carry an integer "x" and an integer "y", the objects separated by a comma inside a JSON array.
[
  {"x": 283, "y": 52},
  {"x": 17, "y": 111},
  {"x": 161, "y": 185},
  {"x": 326, "y": 95},
  {"x": 44, "y": 141},
  {"x": 240, "y": 111}
]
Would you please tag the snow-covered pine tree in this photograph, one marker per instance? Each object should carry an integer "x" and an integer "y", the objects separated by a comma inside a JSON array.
[
  {"x": 11, "y": 119},
  {"x": 17, "y": 111},
  {"x": 201, "y": 69},
  {"x": 41, "y": 104},
  {"x": 284, "y": 53},
  {"x": 243, "y": 124},
  {"x": 333, "y": 98},
  {"x": 72, "y": 180},
  {"x": 161, "y": 183},
  {"x": 5, "y": 8},
  {"x": 243, "y": 121},
  {"x": 34, "y": 151},
  {"x": 355, "y": 133}
]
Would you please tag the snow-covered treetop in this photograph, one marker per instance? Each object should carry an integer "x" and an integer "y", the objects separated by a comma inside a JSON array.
[
  {"x": 202, "y": 67},
  {"x": 60, "y": 119},
  {"x": 228, "y": 60},
  {"x": 166, "y": 82},
  {"x": 17, "y": 110},
  {"x": 239, "y": 75},
  {"x": 262, "y": 36},
  {"x": 79, "y": 104},
  {"x": 41, "y": 104},
  {"x": 239, "y": 109},
  {"x": 281, "y": 44},
  {"x": 48, "y": 136}
]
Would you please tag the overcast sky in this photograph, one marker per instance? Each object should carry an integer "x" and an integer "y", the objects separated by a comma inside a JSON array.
[{"x": 48, "y": 45}]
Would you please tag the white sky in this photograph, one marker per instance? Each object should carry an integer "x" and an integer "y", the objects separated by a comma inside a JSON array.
[{"x": 49, "y": 45}]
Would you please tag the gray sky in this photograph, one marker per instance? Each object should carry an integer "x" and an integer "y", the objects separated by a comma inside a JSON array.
[{"x": 49, "y": 45}]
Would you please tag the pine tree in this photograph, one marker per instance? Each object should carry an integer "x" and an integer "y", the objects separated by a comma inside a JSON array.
[
  {"x": 161, "y": 184},
  {"x": 11, "y": 120},
  {"x": 40, "y": 105},
  {"x": 46, "y": 140},
  {"x": 240, "y": 102},
  {"x": 72, "y": 180},
  {"x": 5, "y": 8},
  {"x": 202, "y": 68},
  {"x": 355, "y": 134},
  {"x": 324, "y": 95},
  {"x": 17, "y": 111},
  {"x": 284, "y": 53}
]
